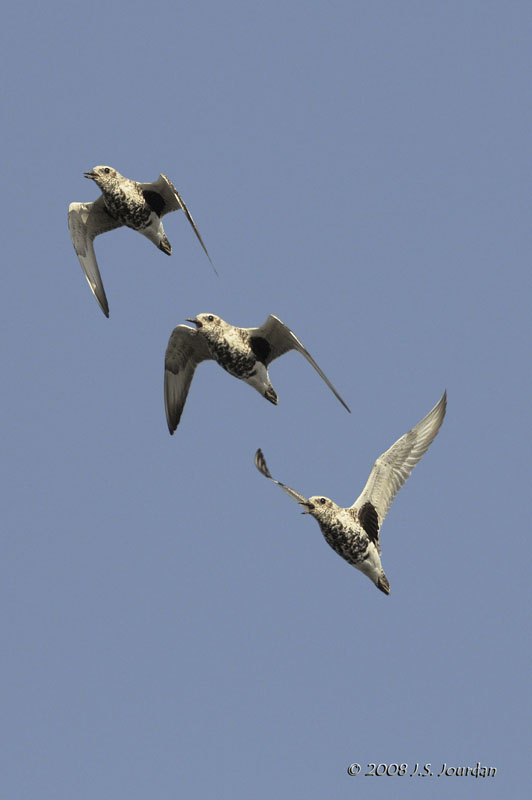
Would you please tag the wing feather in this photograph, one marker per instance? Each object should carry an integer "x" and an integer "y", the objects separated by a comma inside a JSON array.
[
  {"x": 260, "y": 463},
  {"x": 394, "y": 466},
  {"x": 280, "y": 340},
  {"x": 85, "y": 222},
  {"x": 172, "y": 201},
  {"x": 166, "y": 191},
  {"x": 185, "y": 350}
]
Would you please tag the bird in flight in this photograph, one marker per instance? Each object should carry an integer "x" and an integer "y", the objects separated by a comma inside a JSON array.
[
  {"x": 353, "y": 532},
  {"x": 140, "y": 206},
  {"x": 245, "y": 353}
]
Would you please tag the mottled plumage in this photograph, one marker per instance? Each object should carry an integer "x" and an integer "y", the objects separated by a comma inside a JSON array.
[
  {"x": 139, "y": 206},
  {"x": 245, "y": 353},
  {"x": 354, "y": 532}
]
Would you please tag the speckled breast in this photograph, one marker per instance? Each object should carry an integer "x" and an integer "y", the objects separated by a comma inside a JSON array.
[
  {"x": 347, "y": 542},
  {"x": 236, "y": 360},
  {"x": 130, "y": 209}
]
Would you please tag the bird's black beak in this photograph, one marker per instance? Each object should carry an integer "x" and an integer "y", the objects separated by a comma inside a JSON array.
[
  {"x": 195, "y": 321},
  {"x": 309, "y": 507},
  {"x": 90, "y": 175}
]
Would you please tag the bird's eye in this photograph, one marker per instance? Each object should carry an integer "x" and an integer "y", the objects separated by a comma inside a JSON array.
[
  {"x": 322, "y": 500},
  {"x": 210, "y": 318},
  {"x": 107, "y": 170}
]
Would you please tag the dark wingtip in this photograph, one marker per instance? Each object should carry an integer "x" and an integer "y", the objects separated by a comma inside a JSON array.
[
  {"x": 342, "y": 401},
  {"x": 210, "y": 260},
  {"x": 260, "y": 463},
  {"x": 169, "y": 422},
  {"x": 104, "y": 305}
]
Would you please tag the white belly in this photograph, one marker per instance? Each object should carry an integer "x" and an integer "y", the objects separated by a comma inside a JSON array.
[
  {"x": 371, "y": 566},
  {"x": 154, "y": 230},
  {"x": 260, "y": 380}
]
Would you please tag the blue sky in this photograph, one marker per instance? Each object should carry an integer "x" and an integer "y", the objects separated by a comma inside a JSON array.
[{"x": 171, "y": 625}]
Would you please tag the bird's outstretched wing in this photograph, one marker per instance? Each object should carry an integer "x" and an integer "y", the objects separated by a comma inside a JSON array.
[
  {"x": 163, "y": 197},
  {"x": 274, "y": 338},
  {"x": 393, "y": 467},
  {"x": 186, "y": 349},
  {"x": 85, "y": 221},
  {"x": 260, "y": 463}
]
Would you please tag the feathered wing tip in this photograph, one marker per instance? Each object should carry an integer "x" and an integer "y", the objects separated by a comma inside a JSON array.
[
  {"x": 260, "y": 463},
  {"x": 394, "y": 466},
  {"x": 184, "y": 352},
  {"x": 193, "y": 225},
  {"x": 280, "y": 339},
  {"x": 435, "y": 415},
  {"x": 172, "y": 405},
  {"x": 85, "y": 222},
  {"x": 163, "y": 197},
  {"x": 426, "y": 430}
]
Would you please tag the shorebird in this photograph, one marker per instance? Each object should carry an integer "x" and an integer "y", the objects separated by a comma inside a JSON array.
[
  {"x": 354, "y": 532},
  {"x": 140, "y": 206},
  {"x": 245, "y": 353}
]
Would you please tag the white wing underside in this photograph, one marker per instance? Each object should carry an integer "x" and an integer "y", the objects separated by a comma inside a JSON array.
[
  {"x": 184, "y": 352},
  {"x": 281, "y": 339},
  {"x": 85, "y": 222},
  {"x": 394, "y": 466}
]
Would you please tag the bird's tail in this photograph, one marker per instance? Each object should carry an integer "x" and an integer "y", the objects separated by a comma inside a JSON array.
[
  {"x": 271, "y": 395},
  {"x": 165, "y": 246}
]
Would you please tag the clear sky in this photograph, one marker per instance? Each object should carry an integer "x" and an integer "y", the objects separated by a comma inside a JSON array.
[{"x": 171, "y": 625}]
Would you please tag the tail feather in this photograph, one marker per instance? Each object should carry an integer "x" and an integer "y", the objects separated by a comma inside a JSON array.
[
  {"x": 165, "y": 246},
  {"x": 271, "y": 395}
]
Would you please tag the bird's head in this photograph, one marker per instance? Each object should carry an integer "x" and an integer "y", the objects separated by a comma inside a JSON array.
[
  {"x": 103, "y": 176},
  {"x": 321, "y": 508},
  {"x": 207, "y": 323}
]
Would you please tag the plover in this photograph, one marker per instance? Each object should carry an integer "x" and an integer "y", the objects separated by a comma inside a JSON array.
[
  {"x": 245, "y": 353},
  {"x": 354, "y": 532},
  {"x": 140, "y": 206}
]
